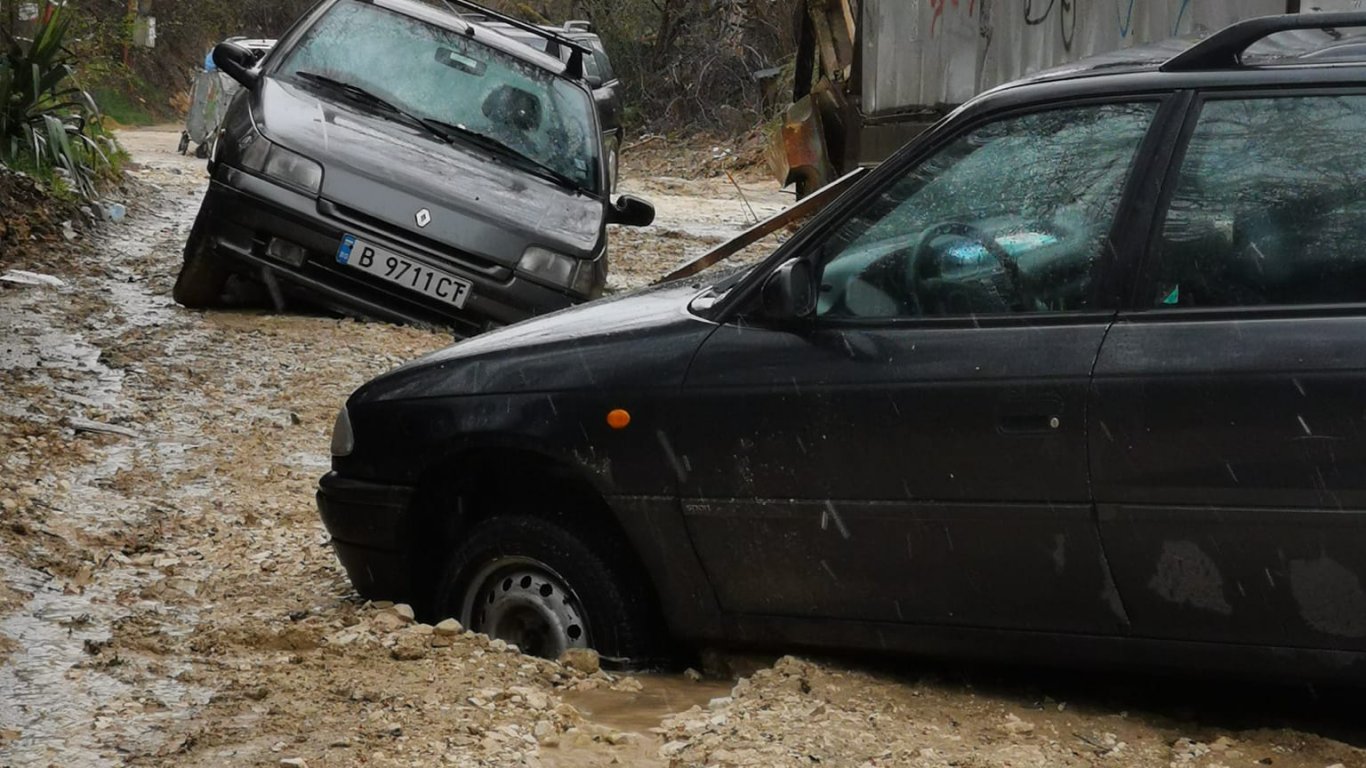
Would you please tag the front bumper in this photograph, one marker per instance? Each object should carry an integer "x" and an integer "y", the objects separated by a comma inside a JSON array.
[
  {"x": 369, "y": 525},
  {"x": 242, "y": 213}
]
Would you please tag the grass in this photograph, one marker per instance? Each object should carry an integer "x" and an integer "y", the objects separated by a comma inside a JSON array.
[{"x": 121, "y": 108}]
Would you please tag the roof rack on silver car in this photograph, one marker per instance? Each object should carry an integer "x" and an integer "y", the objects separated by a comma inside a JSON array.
[
  {"x": 1224, "y": 49},
  {"x": 572, "y": 68}
]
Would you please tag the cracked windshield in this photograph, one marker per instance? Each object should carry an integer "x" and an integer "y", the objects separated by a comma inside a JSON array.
[
  {"x": 682, "y": 383},
  {"x": 445, "y": 76}
]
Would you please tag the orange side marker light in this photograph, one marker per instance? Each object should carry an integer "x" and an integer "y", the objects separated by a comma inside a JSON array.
[{"x": 618, "y": 418}]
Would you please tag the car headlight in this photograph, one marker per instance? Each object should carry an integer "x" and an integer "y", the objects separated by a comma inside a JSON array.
[
  {"x": 343, "y": 442},
  {"x": 578, "y": 275},
  {"x": 261, "y": 155}
]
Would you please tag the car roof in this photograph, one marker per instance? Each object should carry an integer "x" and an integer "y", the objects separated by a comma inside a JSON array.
[
  {"x": 1299, "y": 48},
  {"x": 484, "y": 33}
]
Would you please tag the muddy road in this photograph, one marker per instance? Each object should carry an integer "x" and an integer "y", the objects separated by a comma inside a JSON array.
[{"x": 168, "y": 597}]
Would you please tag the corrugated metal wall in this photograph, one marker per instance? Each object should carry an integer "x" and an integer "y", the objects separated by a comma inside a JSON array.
[{"x": 933, "y": 52}]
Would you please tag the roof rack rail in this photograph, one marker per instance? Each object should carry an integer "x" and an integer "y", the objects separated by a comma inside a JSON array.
[
  {"x": 573, "y": 68},
  {"x": 1224, "y": 49},
  {"x": 578, "y": 25}
]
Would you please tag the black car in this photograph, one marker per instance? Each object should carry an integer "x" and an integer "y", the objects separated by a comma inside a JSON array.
[
  {"x": 1079, "y": 374},
  {"x": 396, "y": 160}
]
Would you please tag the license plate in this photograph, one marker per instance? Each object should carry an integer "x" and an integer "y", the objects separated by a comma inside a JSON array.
[{"x": 403, "y": 271}]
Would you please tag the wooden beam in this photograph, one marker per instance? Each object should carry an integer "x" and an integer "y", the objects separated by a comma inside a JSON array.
[{"x": 807, "y": 207}]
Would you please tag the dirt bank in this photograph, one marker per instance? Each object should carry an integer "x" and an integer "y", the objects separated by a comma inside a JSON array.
[{"x": 169, "y": 598}]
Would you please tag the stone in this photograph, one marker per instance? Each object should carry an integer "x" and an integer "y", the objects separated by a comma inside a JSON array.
[
  {"x": 719, "y": 702},
  {"x": 672, "y": 749},
  {"x": 448, "y": 627},
  {"x": 584, "y": 660},
  {"x": 405, "y": 612},
  {"x": 692, "y": 675},
  {"x": 1015, "y": 725},
  {"x": 387, "y": 622},
  {"x": 293, "y": 762},
  {"x": 410, "y": 649}
]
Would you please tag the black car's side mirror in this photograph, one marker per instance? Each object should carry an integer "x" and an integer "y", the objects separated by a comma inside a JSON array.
[
  {"x": 239, "y": 62},
  {"x": 631, "y": 211},
  {"x": 790, "y": 291}
]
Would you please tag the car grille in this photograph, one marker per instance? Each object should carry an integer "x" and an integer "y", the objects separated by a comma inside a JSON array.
[{"x": 426, "y": 245}]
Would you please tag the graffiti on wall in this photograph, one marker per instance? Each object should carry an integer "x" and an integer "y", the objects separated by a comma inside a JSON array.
[{"x": 1064, "y": 10}]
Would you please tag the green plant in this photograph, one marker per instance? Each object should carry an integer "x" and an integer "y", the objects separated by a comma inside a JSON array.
[{"x": 46, "y": 120}]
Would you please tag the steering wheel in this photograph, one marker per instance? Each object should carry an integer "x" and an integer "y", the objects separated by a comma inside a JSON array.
[{"x": 969, "y": 232}]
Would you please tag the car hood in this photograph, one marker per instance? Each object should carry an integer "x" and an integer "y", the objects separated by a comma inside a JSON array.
[
  {"x": 389, "y": 170},
  {"x": 639, "y": 341}
]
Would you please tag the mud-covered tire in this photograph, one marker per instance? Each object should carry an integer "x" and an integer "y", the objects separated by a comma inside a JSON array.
[
  {"x": 202, "y": 277},
  {"x": 612, "y": 601}
]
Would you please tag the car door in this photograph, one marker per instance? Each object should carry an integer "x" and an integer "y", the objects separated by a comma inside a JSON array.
[
  {"x": 1229, "y": 404},
  {"x": 917, "y": 452}
]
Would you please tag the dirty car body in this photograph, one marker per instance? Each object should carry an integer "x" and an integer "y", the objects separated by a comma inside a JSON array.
[
  {"x": 1074, "y": 377},
  {"x": 395, "y": 160}
]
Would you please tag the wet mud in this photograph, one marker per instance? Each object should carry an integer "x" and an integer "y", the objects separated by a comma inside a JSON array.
[{"x": 168, "y": 596}]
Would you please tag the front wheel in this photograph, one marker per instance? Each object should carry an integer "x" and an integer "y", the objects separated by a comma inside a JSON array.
[
  {"x": 202, "y": 277},
  {"x": 533, "y": 583}
]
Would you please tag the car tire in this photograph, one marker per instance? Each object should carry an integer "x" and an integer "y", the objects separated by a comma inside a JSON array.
[
  {"x": 202, "y": 277},
  {"x": 536, "y": 584}
]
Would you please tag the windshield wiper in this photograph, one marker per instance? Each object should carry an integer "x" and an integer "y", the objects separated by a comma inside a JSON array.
[
  {"x": 361, "y": 94},
  {"x": 444, "y": 130},
  {"x": 489, "y": 142}
]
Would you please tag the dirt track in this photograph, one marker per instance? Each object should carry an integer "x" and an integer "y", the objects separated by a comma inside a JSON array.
[{"x": 168, "y": 596}]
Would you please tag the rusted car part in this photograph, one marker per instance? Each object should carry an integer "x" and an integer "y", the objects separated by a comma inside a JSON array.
[
  {"x": 873, "y": 74},
  {"x": 807, "y": 207}
]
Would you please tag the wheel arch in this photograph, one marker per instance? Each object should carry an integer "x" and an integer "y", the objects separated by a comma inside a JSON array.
[{"x": 472, "y": 482}]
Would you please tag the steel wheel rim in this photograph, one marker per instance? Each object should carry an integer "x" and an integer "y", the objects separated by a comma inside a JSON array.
[{"x": 526, "y": 603}]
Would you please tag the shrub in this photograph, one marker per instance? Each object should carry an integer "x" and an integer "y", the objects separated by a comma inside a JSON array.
[{"x": 47, "y": 122}]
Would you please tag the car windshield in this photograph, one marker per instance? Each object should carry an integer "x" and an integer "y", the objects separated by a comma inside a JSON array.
[{"x": 440, "y": 75}]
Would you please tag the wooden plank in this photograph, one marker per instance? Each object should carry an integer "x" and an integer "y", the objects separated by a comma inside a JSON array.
[{"x": 807, "y": 207}]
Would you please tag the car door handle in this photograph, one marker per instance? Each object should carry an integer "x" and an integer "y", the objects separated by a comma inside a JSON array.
[{"x": 1030, "y": 416}]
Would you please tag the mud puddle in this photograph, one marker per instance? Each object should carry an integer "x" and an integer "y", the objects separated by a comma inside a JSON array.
[{"x": 640, "y": 711}]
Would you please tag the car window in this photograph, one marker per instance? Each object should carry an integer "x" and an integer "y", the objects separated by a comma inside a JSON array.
[
  {"x": 1008, "y": 218},
  {"x": 438, "y": 74},
  {"x": 1269, "y": 207}
]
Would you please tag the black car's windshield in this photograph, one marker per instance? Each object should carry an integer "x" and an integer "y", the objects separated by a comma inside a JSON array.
[{"x": 436, "y": 74}]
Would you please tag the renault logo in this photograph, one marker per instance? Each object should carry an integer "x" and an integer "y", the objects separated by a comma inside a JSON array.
[{"x": 424, "y": 217}]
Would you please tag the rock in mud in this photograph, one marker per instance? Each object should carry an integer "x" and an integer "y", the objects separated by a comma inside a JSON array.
[
  {"x": 409, "y": 648},
  {"x": 584, "y": 660},
  {"x": 449, "y": 627},
  {"x": 293, "y": 762}
]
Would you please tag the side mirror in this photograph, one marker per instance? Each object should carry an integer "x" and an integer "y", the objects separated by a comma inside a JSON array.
[
  {"x": 239, "y": 62},
  {"x": 790, "y": 291},
  {"x": 631, "y": 211}
]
